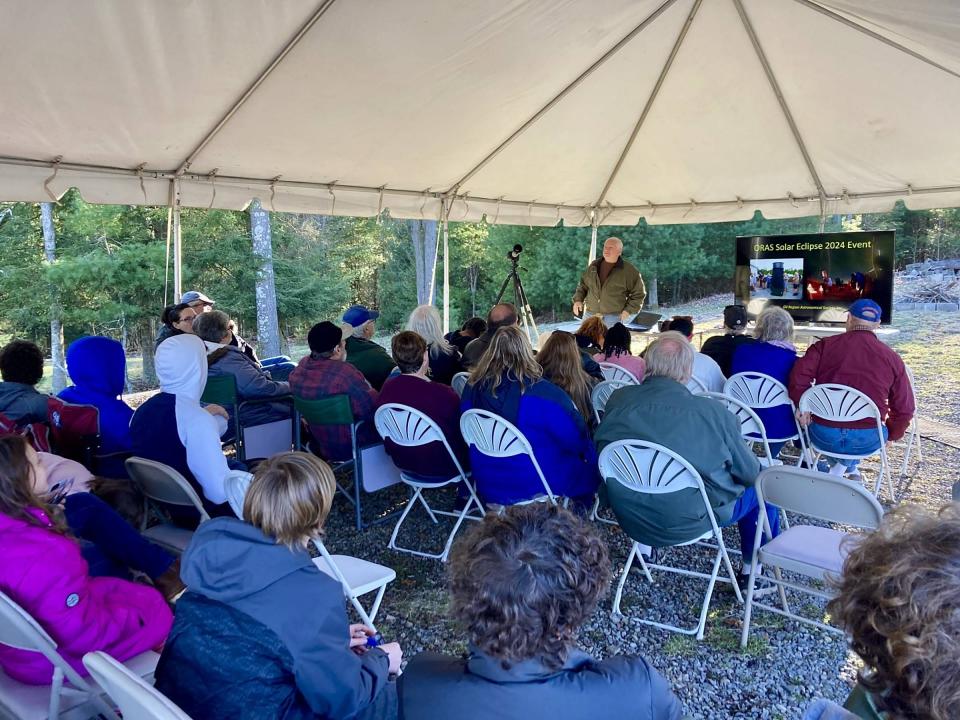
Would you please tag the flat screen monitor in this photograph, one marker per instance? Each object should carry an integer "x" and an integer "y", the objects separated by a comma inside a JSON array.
[{"x": 815, "y": 277}]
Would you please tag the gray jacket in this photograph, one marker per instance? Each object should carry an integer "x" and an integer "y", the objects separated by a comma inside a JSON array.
[
  {"x": 22, "y": 403},
  {"x": 253, "y": 382}
]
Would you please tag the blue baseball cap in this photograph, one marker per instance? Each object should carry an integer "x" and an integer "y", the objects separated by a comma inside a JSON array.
[
  {"x": 357, "y": 315},
  {"x": 866, "y": 309}
]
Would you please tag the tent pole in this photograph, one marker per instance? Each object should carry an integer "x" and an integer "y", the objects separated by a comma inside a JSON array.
[
  {"x": 445, "y": 216},
  {"x": 177, "y": 240},
  {"x": 594, "y": 221}
]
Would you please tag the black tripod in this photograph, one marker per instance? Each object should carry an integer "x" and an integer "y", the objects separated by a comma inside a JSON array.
[{"x": 520, "y": 296}]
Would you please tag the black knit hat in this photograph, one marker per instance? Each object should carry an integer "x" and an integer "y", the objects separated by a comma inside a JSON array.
[{"x": 325, "y": 336}]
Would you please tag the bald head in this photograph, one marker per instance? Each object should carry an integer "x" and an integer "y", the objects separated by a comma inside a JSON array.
[
  {"x": 671, "y": 356},
  {"x": 502, "y": 315}
]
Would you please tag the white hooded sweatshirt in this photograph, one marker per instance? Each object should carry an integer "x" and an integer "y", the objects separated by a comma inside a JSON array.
[{"x": 181, "y": 363}]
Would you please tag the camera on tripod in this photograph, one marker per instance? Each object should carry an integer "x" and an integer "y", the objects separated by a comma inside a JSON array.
[{"x": 515, "y": 253}]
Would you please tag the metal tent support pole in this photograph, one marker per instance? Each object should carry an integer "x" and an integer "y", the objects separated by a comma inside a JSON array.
[
  {"x": 594, "y": 221},
  {"x": 177, "y": 241},
  {"x": 446, "y": 264}
]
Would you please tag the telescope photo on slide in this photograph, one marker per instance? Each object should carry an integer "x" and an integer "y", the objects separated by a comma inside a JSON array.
[{"x": 781, "y": 278}]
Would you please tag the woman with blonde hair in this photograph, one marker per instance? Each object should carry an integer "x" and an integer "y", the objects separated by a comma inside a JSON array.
[
  {"x": 509, "y": 382},
  {"x": 444, "y": 357},
  {"x": 559, "y": 357}
]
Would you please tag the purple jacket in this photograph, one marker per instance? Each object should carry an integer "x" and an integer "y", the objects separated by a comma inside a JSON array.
[{"x": 44, "y": 572}]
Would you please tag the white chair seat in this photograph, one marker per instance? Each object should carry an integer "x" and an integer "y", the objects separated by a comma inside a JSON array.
[
  {"x": 425, "y": 481},
  {"x": 169, "y": 536},
  {"x": 809, "y": 545},
  {"x": 363, "y": 576},
  {"x": 32, "y": 702}
]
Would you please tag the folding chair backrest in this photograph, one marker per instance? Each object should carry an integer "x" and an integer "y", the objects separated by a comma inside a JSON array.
[
  {"x": 74, "y": 429},
  {"x": 838, "y": 403},
  {"x": 696, "y": 386},
  {"x": 235, "y": 485},
  {"x": 493, "y": 435},
  {"x": 137, "y": 699},
  {"x": 751, "y": 427},
  {"x": 459, "y": 382},
  {"x": 647, "y": 467},
  {"x": 603, "y": 390},
  {"x": 409, "y": 427},
  {"x": 332, "y": 410},
  {"x": 18, "y": 629},
  {"x": 819, "y": 495},
  {"x": 615, "y": 372},
  {"x": 757, "y": 390},
  {"x": 913, "y": 386},
  {"x": 162, "y": 483},
  {"x": 220, "y": 390}
]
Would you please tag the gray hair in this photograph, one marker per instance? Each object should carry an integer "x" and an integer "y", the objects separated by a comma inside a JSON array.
[
  {"x": 211, "y": 326},
  {"x": 614, "y": 237},
  {"x": 773, "y": 324},
  {"x": 425, "y": 322},
  {"x": 671, "y": 356}
]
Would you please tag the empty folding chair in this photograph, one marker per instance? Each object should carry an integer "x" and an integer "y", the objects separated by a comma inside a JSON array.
[
  {"x": 601, "y": 394},
  {"x": 751, "y": 427},
  {"x": 760, "y": 392},
  {"x": 809, "y": 550},
  {"x": 357, "y": 576},
  {"x": 161, "y": 483},
  {"x": 136, "y": 698},
  {"x": 496, "y": 437},
  {"x": 459, "y": 382},
  {"x": 408, "y": 427},
  {"x": 844, "y": 404},
  {"x": 615, "y": 372},
  {"x": 222, "y": 390},
  {"x": 69, "y": 696},
  {"x": 654, "y": 470}
]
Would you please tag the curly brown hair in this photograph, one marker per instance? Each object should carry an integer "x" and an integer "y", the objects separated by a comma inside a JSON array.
[
  {"x": 899, "y": 600},
  {"x": 522, "y": 583}
]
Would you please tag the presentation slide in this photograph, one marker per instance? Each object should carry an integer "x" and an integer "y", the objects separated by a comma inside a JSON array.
[{"x": 815, "y": 277}]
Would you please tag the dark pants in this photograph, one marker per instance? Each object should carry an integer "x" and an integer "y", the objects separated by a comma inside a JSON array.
[
  {"x": 109, "y": 544},
  {"x": 746, "y": 513},
  {"x": 384, "y": 705}
]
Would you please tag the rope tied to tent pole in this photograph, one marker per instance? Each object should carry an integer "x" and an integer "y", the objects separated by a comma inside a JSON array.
[
  {"x": 273, "y": 191},
  {"x": 466, "y": 205},
  {"x": 739, "y": 203},
  {"x": 496, "y": 216},
  {"x": 143, "y": 188},
  {"x": 380, "y": 206},
  {"x": 693, "y": 206},
  {"x": 213, "y": 184},
  {"x": 530, "y": 214},
  {"x": 845, "y": 196},
  {"x": 46, "y": 183},
  {"x": 333, "y": 197},
  {"x": 426, "y": 196},
  {"x": 792, "y": 199}
]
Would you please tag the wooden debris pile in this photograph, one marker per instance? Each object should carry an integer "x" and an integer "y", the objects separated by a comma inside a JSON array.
[{"x": 931, "y": 287}]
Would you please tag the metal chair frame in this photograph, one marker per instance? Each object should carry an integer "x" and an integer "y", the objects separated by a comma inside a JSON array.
[
  {"x": 222, "y": 390},
  {"x": 612, "y": 371}
]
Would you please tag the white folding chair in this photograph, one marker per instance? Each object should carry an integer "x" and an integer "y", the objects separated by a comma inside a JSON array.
[
  {"x": 844, "y": 404},
  {"x": 696, "y": 386},
  {"x": 810, "y": 550},
  {"x": 136, "y": 698},
  {"x": 912, "y": 438},
  {"x": 751, "y": 427},
  {"x": 496, "y": 437},
  {"x": 615, "y": 372},
  {"x": 459, "y": 382},
  {"x": 357, "y": 576},
  {"x": 601, "y": 394},
  {"x": 759, "y": 391},
  {"x": 68, "y": 695},
  {"x": 409, "y": 427},
  {"x": 161, "y": 483},
  {"x": 653, "y": 469}
]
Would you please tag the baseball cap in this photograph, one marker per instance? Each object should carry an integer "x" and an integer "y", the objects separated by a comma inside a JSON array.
[
  {"x": 866, "y": 309},
  {"x": 194, "y": 295},
  {"x": 325, "y": 336},
  {"x": 735, "y": 316},
  {"x": 357, "y": 315}
]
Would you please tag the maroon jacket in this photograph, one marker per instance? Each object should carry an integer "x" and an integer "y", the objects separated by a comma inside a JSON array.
[{"x": 858, "y": 358}]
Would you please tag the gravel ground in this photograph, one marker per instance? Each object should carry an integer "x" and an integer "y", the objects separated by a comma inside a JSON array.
[{"x": 785, "y": 665}]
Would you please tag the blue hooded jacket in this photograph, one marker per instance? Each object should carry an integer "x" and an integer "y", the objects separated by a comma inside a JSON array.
[{"x": 97, "y": 367}]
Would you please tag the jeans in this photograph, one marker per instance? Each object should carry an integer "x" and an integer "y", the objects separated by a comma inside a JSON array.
[
  {"x": 108, "y": 543},
  {"x": 746, "y": 513},
  {"x": 848, "y": 441}
]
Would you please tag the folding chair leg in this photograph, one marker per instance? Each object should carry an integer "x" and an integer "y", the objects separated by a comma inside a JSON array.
[
  {"x": 783, "y": 593},
  {"x": 702, "y": 625},
  {"x": 634, "y": 550},
  {"x": 418, "y": 495},
  {"x": 376, "y": 603},
  {"x": 367, "y": 620},
  {"x": 56, "y": 687},
  {"x": 748, "y": 607},
  {"x": 732, "y": 575}
]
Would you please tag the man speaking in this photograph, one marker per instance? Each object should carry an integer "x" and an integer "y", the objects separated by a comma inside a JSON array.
[{"x": 610, "y": 287}]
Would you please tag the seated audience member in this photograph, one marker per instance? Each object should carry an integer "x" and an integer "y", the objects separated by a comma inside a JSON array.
[
  {"x": 472, "y": 328},
  {"x": 177, "y": 320},
  {"x": 521, "y": 585},
  {"x": 559, "y": 357},
  {"x": 502, "y": 315},
  {"x": 362, "y": 352},
  {"x": 859, "y": 359},
  {"x": 591, "y": 335},
  {"x": 721, "y": 347},
  {"x": 45, "y": 571},
  {"x": 616, "y": 350},
  {"x": 172, "y": 428},
  {"x": 897, "y": 602},
  {"x": 253, "y": 382},
  {"x": 438, "y": 402},
  {"x": 508, "y": 382},
  {"x": 21, "y": 365},
  {"x": 706, "y": 372},
  {"x": 98, "y": 369},
  {"x": 444, "y": 357},
  {"x": 773, "y": 354},
  {"x": 703, "y": 432},
  {"x": 325, "y": 372},
  {"x": 262, "y": 632}
]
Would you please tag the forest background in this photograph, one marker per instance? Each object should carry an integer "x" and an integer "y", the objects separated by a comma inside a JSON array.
[{"x": 100, "y": 269}]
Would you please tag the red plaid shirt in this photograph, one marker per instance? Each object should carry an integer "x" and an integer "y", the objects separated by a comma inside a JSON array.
[{"x": 316, "y": 378}]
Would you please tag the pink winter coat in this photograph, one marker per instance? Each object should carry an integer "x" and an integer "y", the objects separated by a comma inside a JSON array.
[{"x": 47, "y": 576}]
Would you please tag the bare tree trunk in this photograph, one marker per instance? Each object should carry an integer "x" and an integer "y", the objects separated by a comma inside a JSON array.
[
  {"x": 147, "y": 333},
  {"x": 423, "y": 240},
  {"x": 268, "y": 326},
  {"x": 59, "y": 380},
  {"x": 653, "y": 302}
]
